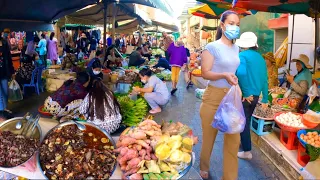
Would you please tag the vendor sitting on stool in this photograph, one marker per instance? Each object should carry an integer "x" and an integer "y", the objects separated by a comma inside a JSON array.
[
  {"x": 155, "y": 91},
  {"x": 300, "y": 83},
  {"x": 162, "y": 62}
]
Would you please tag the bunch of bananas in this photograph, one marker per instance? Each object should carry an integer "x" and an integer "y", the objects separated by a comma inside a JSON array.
[{"x": 132, "y": 111}]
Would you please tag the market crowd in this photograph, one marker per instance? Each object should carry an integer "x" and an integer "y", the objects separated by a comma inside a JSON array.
[{"x": 226, "y": 62}]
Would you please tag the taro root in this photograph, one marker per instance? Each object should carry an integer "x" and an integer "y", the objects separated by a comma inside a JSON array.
[
  {"x": 81, "y": 155},
  {"x": 15, "y": 149}
]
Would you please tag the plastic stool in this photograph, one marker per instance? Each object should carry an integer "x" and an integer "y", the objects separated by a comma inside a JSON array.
[
  {"x": 289, "y": 139},
  {"x": 303, "y": 158},
  {"x": 257, "y": 126}
]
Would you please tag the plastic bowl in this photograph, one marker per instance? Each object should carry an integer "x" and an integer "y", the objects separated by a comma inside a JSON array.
[
  {"x": 43, "y": 112},
  {"x": 307, "y": 122}
]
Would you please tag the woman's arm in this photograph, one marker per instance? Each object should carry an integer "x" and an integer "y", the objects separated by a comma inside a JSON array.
[
  {"x": 207, "y": 61},
  {"x": 300, "y": 88},
  {"x": 145, "y": 90}
]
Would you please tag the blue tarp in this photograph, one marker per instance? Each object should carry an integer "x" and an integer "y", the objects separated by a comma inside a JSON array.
[
  {"x": 26, "y": 26},
  {"x": 40, "y": 10}
]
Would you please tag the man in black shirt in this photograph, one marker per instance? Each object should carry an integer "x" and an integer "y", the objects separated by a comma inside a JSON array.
[{"x": 135, "y": 58}]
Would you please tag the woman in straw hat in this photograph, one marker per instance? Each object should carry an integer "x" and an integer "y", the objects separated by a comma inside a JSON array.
[
  {"x": 300, "y": 83},
  {"x": 272, "y": 70}
]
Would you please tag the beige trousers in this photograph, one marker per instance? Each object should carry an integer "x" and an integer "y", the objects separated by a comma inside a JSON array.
[{"x": 210, "y": 102}]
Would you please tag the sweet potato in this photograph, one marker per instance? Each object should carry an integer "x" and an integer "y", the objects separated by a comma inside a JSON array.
[
  {"x": 132, "y": 171},
  {"x": 136, "y": 176},
  {"x": 142, "y": 153},
  {"x": 137, "y": 147},
  {"x": 124, "y": 150},
  {"x": 128, "y": 156},
  {"x": 138, "y": 135},
  {"x": 143, "y": 144},
  {"x": 133, "y": 163},
  {"x": 148, "y": 121},
  {"x": 147, "y": 158},
  {"x": 153, "y": 157},
  {"x": 125, "y": 142}
]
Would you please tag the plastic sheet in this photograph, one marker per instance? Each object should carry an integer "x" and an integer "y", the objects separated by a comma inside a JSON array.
[{"x": 230, "y": 117}]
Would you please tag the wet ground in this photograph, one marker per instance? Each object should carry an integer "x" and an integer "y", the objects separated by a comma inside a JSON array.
[{"x": 184, "y": 107}]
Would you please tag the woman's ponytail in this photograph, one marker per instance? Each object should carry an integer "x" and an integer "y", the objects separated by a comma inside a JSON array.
[{"x": 219, "y": 33}]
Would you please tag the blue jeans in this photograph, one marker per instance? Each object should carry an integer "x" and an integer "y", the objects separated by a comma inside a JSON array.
[
  {"x": 155, "y": 100},
  {"x": 3, "y": 94},
  {"x": 245, "y": 135}
]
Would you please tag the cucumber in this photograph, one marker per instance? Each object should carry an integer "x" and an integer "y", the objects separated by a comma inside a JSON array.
[
  {"x": 159, "y": 177},
  {"x": 153, "y": 176},
  {"x": 164, "y": 176},
  {"x": 168, "y": 175},
  {"x": 146, "y": 177}
]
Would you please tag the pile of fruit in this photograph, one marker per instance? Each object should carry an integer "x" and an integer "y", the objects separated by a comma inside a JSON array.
[
  {"x": 132, "y": 111},
  {"x": 290, "y": 119},
  {"x": 151, "y": 151},
  {"x": 312, "y": 138},
  {"x": 196, "y": 72}
]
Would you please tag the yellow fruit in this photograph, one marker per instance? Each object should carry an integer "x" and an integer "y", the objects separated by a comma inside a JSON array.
[
  {"x": 186, "y": 157},
  {"x": 162, "y": 151}
]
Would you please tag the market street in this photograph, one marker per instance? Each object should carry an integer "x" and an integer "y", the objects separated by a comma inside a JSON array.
[{"x": 184, "y": 107}]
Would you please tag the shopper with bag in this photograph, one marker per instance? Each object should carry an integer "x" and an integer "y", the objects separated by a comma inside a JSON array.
[
  {"x": 6, "y": 72},
  {"x": 253, "y": 80},
  {"x": 220, "y": 60}
]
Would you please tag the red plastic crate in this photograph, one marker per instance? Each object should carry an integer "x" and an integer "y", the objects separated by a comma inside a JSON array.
[
  {"x": 289, "y": 139},
  {"x": 303, "y": 158}
]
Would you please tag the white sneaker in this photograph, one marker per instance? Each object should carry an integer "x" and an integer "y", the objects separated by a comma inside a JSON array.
[{"x": 245, "y": 155}]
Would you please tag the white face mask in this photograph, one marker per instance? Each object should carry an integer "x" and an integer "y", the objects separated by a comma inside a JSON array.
[
  {"x": 96, "y": 72},
  {"x": 143, "y": 81}
]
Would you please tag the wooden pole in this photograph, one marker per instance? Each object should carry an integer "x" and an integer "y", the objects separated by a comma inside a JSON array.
[
  {"x": 114, "y": 12},
  {"x": 316, "y": 42},
  {"x": 105, "y": 8}
]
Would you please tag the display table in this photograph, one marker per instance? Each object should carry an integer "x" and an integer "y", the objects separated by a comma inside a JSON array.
[
  {"x": 35, "y": 173},
  {"x": 55, "y": 78}
]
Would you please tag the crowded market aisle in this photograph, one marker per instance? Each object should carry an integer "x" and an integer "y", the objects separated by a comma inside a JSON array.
[{"x": 184, "y": 107}]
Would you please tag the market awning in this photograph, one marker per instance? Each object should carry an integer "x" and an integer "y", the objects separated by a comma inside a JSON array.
[
  {"x": 159, "y": 4},
  {"x": 165, "y": 26},
  {"x": 39, "y": 10},
  {"x": 94, "y": 15}
]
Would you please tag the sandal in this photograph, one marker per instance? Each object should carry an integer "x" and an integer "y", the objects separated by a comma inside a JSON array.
[{"x": 204, "y": 174}]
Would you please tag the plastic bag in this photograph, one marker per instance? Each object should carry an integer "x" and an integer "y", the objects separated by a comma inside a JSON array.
[
  {"x": 230, "y": 117},
  {"x": 313, "y": 93},
  {"x": 14, "y": 93}
]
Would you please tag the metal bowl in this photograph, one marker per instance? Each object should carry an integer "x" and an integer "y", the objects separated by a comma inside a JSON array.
[
  {"x": 70, "y": 123},
  {"x": 10, "y": 125}
]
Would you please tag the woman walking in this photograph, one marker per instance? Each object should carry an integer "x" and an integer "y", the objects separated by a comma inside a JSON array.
[
  {"x": 6, "y": 72},
  {"x": 43, "y": 50},
  {"x": 178, "y": 59},
  {"x": 52, "y": 48},
  {"x": 253, "y": 80},
  {"x": 220, "y": 60}
]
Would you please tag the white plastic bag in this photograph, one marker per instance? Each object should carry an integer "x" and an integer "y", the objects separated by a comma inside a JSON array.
[
  {"x": 14, "y": 93},
  {"x": 313, "y": 93},
  {"x": 230, "y": 117}
]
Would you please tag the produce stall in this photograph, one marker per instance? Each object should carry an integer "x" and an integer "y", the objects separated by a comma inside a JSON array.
[
  {"x": 95, "y": 150},
  {"x": 298, "y": 139}
]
